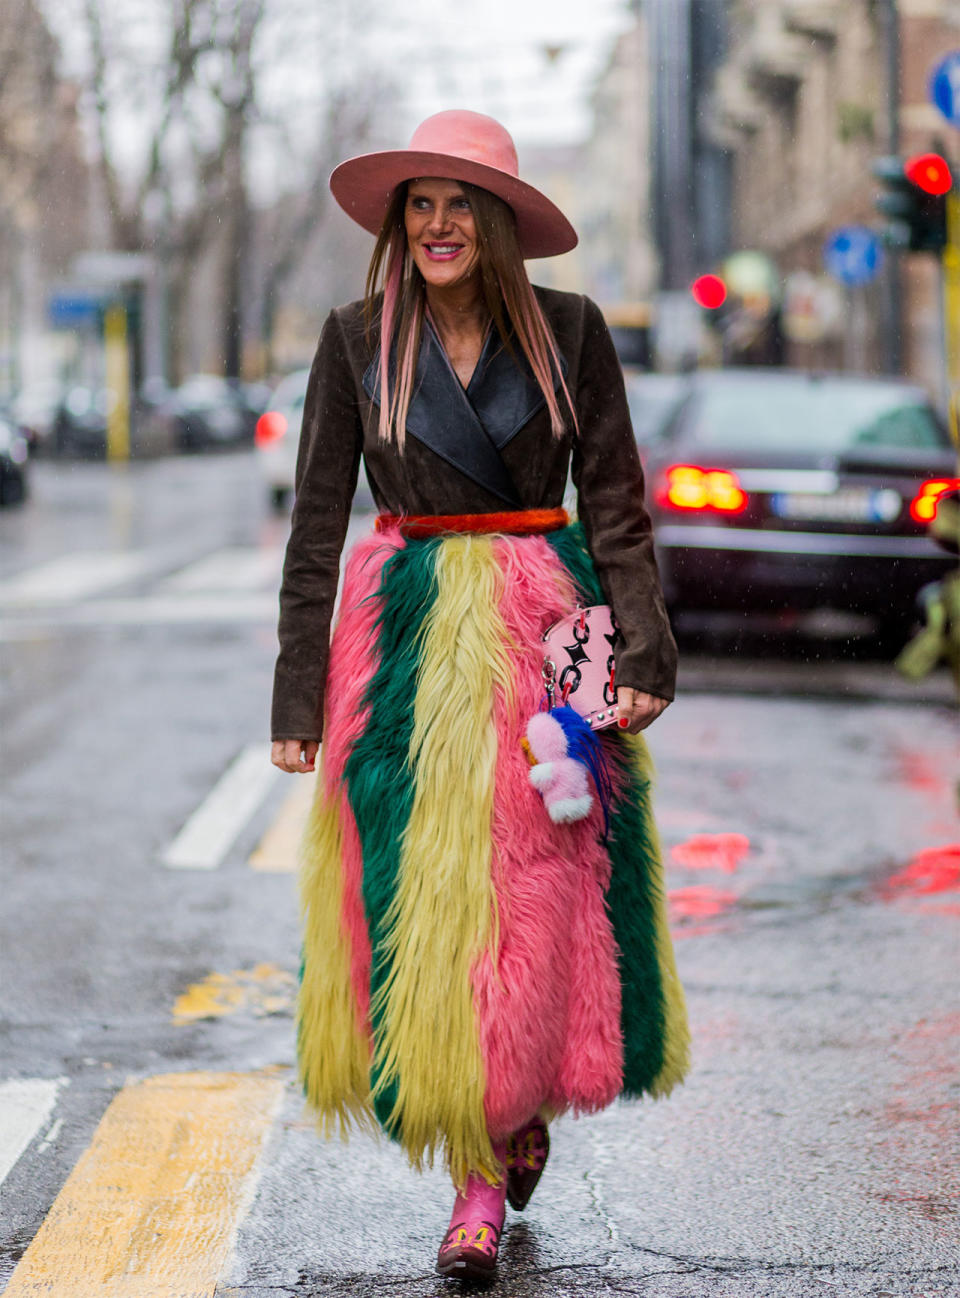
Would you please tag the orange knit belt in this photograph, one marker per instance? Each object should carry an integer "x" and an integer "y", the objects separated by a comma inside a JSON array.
[{"x": 518, "y": 522}]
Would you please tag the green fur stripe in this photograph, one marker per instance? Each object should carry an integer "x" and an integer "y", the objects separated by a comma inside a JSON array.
[
  {"x": 570, "y": 545},
  {"x": 379, "y": 774},
  {"x": 636, "y": 873}
]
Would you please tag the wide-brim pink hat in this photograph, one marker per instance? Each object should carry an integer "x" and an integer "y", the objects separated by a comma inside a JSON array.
[{"x": 454, "y": 145}]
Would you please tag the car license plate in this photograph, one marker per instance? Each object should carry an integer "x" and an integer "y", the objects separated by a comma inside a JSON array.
[{"x": 849, "y": 505}]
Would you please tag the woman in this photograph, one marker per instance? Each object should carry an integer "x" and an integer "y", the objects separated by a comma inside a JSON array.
[{"x": 470, "y": 967}]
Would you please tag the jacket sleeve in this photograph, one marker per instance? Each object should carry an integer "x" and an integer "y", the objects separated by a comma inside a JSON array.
[
  {"x": 328, "y": 461},
  {"x": 609, "y": 481}
]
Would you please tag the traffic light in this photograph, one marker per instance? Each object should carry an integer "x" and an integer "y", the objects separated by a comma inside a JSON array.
[{"x": 914, "y": 201}]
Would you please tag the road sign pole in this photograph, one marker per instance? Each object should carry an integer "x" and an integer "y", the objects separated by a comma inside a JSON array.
[
  {"x": 892, "y": 273},
  {"x": 118, "y": 381},
  {"x": 950, "y": 263},
  {"x": 950, "y": 305}
]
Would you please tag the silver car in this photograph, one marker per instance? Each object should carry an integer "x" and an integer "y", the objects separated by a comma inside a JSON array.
[{"x": 277, "y": 439}]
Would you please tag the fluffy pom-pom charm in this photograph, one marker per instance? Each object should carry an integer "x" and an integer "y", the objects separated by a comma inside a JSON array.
[{"x": 560, "y": 779}]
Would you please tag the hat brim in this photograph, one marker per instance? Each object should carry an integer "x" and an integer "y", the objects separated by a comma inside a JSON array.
[{"x": 363, "y": 186}]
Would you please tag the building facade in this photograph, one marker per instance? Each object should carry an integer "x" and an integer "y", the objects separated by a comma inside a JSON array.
[
  {"x": 604, "y": 184},
  {"x": 804, "y": 100}
]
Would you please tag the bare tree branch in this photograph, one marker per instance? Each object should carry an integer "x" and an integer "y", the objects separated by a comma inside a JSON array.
[{"x": 202, "y": 107}]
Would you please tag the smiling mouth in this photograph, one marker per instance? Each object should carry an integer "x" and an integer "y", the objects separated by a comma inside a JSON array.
[{"x": 442, "y": 251}]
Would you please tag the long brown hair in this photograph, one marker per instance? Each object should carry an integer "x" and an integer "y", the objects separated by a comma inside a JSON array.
[{"x": 507, "y": 292}]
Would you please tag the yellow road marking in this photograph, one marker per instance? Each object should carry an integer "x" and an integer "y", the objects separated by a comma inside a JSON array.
[
  {"x": 277, "y": 850},
  {"x": 264, "y": 989},
  {"x": 150, "y": 1209}
]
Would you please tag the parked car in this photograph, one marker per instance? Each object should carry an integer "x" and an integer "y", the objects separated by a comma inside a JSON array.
[
  {"x": 34, "y": 408},
  {"x": 653, "y": 398},
  {"x": 13, "y": 462},
  {"x": 208, "y": 411},
  {"x": 277, "y": 438},
  {"x": 777, "y": 489},
  {"x": 80, "y": 421}
]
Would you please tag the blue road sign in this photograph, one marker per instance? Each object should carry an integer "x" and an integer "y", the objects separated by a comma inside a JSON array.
[
  {"x": 853, "y": 254},
  {"x": 74, "y": 308},
  {"x": 945, "y": 87}
]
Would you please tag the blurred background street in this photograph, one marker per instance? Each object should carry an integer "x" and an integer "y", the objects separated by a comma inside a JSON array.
[{"x": 767, "y": 197}]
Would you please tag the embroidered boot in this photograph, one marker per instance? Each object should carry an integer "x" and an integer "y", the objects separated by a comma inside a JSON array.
[
  {"x": 469, "y": 1248},
  {"x": 527, "y": 1151}
]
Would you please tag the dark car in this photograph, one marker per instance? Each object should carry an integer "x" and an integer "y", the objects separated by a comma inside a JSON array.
[
  {"x": 80, "y": 421},
  {"x": 80, "y": 425},
  {"x": 13, "y": 462},
  {"x": 34, "y": 409},
  {"x": 653, "y": 399},
  {"x": 778, "y": 489},
  {"x": 208, "y": 411}
]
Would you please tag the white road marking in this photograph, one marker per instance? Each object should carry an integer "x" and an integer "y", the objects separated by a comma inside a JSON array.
[
  {"x": 51, "y": 1135},
  {"x": 175, "y": 609},
  {"x": 172, "y": 610},
  {"x": 234, "y": 568},
  {"x": 74, "y": 576},
  {"x": 236, "y": 584},
  {"x": 25, "y": 1108},
  {"x": 206, "y": 837}
]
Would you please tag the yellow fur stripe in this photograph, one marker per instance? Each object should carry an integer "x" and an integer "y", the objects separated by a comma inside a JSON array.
[
  {"x": 442, "y": 915},
  {"x": 334, "y": 1054},
  {"x": 676, "y": 1032}
]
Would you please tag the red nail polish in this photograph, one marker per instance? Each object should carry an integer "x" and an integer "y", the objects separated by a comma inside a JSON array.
[{"x": 623, "y": 723}]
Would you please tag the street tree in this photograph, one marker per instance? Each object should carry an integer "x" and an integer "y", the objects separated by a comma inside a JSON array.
[
  {"x": 42, "y": 176},
  {"x": 190, "y": 104}
]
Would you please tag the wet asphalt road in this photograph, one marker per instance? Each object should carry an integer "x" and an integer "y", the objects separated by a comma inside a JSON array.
[{"x": 816, "y": 1146}]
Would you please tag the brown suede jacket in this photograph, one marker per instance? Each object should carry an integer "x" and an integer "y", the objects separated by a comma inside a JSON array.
[{"x": 340, "y": 423}]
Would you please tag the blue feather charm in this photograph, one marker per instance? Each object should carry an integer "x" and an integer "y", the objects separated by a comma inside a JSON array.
[{"x": 584, "y": 745}]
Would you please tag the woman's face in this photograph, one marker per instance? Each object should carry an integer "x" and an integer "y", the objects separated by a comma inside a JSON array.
[{"x": 441, "y": 232}]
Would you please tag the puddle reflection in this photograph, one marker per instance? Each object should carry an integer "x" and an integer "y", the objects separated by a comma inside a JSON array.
[
  {"x": 711, "y": 852},
  {"x": 933, "y": 872}
]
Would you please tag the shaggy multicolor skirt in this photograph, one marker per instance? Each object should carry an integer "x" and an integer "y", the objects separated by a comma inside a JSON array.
[{"x": 468, "y": 963}]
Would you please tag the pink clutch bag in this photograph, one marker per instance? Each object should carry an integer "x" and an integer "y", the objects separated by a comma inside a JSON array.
[{"x": 578, "y": 664}]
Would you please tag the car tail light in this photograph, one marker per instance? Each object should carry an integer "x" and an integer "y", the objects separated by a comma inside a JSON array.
[
  {"x": 923, "y": 507},
  {"x": 271, "y": 426},
  {"x": 686, "y": 486}
]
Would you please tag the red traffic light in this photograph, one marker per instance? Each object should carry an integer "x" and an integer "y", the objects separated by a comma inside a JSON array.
[
  {"x": 929, "y": 172},
  {"x": 709, "y": 291}
]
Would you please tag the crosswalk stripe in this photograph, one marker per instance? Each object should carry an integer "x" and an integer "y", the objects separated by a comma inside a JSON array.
[
  {"x": 151, "y": 1207},
  {"x": 206, "y": 837},
  {"x": 234, "y": 568},
  {"x": 278, "y": 849},
  {"x": 74, "y": 576},
  {"x": 25, "y": 1108},
  {"x": 169, "y": 611},
  {"x": 176, "y": 608}
]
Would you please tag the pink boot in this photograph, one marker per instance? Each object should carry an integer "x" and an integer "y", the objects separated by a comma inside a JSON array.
[
  {"x": 469, "y": 1249},
  {"x": 527, "y": 1151}
]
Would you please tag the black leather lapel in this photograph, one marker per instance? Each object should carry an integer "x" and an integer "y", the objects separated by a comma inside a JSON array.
[
  {"x": 467, "y": 428},
  {"x": 503, "y": 392}
]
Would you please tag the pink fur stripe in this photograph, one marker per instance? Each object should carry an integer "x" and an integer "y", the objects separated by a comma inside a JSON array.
[
  {"x": 590, "y": 1073},
  {"x": 353, "y": 662},
  {"x": 548, "y": 1007}
]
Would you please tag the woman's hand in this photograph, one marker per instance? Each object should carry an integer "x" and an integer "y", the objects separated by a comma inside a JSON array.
[
  {"x": 294, "y": 755},
  {"x": 637, "y": 710}
]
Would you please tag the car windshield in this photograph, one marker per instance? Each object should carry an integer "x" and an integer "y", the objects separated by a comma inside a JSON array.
[
  {"x": 652, "y": 400},
  {"x": 291, "y": 392},
  {"x": 817, "y": 415},
  {"x": 203, "y": 391}
]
